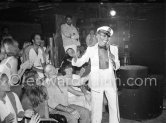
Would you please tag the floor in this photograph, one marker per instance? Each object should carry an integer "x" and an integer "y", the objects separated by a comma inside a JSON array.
[{"x": 159, "y": 119}]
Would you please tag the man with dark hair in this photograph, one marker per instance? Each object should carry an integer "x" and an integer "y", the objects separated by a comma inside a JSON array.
[{"x": 70, "y": 35}]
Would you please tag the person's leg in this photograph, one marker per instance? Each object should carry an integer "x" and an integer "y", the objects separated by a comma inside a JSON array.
[
  {"x": 112, "y": 98},
  {"x": 69, "y": 117},
  {"x": 84, "y": 113},
  {"x": 96, "y": 105}
]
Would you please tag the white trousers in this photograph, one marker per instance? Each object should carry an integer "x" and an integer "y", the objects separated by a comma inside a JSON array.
[{"x": 97, "y": 104}]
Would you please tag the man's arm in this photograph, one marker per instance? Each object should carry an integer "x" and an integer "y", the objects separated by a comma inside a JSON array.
[
  {"x": 80, "y": 61},
  {"x": 75, "y": 92}
]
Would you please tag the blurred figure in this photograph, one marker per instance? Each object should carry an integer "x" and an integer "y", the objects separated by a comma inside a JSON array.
[
  {"x": 91, "y": 39},
  {"x": 46, "y": 50},
  {"x": 70, "y": 35},
  {"x": 5, "y": 33}
]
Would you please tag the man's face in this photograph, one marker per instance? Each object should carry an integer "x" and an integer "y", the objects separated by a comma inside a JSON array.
[
  {"x": 37, "y": 40},
  {"x": 102, "y": 39},
  {"x": 4, "y": 84},
  {"x": 69, "y": 21}
]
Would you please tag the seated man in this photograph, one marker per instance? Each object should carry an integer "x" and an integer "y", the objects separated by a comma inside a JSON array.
[
  {"x": 11, "y": 110},
  {"x": 58, "y": 98}
]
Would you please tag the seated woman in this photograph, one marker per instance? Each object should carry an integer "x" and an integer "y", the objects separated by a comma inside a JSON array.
[
  {"x": 35, "y": 96},
  {"x": 9, "y": 64},
  {"x": 77, "y": 94}
]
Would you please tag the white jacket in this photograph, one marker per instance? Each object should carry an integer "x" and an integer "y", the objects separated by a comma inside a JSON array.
[{"x": 92, "y": 54}]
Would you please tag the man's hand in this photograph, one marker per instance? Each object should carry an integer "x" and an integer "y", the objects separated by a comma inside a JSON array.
[
  {"x": 29, "y": 113},
  {"x": 111, "y": 56},
  {"x": 35, "y": 119},
  {"x": 9, "y": 118}
]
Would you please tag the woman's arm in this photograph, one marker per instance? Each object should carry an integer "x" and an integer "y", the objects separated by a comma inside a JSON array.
[{"x": 75, "y": 92}]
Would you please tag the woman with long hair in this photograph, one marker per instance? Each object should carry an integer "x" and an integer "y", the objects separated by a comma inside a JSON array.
[
  {"x": 9, "y": 64},
  {"x": 35, "y": 96}
]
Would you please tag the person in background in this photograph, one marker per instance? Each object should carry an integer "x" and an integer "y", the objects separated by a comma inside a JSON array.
[
  {"x": 10, "y": 105},
  {"x": 36, "y": 55},
  {"x": 9, "y": 64},
  {"x": 91, "y": 39},
  {"x": 5, "y": 33},
  {"x": 23, "y": 50},
  {"x": 70, "y": 35},
  {"x": 104, "y": 60}
]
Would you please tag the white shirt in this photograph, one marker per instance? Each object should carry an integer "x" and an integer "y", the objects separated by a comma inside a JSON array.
[
  {"x": 7, "y": 108},
  {"x": 68, "y": 31},
  {"x": 37, "y": 59}
]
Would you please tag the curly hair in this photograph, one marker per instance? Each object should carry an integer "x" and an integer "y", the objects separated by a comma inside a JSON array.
[{"x": 36, "y": 94}]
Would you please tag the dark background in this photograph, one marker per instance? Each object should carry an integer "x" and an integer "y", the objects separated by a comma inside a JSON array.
[{"x": 143, "y": 22}]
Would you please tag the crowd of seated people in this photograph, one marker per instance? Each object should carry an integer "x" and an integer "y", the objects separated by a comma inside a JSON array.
[{"x": 32, "y": 89}]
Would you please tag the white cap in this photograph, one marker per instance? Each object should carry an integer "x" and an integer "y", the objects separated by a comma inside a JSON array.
[{"x": 106, "y": 29}]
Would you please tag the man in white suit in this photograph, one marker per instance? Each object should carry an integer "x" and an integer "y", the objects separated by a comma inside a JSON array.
[{"x": 104, "y": 60}]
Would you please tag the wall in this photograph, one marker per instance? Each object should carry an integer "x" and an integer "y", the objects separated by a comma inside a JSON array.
[
  {"x": 21, "y": 31},
  {"x": 147, "y": 43}
]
